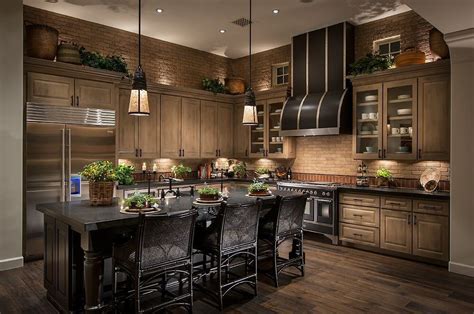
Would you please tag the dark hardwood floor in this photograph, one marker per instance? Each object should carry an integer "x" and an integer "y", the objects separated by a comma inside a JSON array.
[{"x": 337, "y": 280}]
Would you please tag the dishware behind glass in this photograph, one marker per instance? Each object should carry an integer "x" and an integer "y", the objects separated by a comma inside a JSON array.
[
  {"x": 371, "y": 98},
  {"x": 279, "y": 149},
  {"x": 373, "y": 116},
  {"x": 370, "y": 149},
  {"x": 395, "y": 131},
  {"x": 403, "y": 130},
  {"x": 365, "y": 116}
]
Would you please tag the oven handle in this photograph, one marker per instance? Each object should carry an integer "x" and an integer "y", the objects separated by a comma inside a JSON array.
[{"x": 323, "y": 200}]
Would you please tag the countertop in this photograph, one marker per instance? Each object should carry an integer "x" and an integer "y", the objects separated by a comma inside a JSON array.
[
  {"x": 84, "y": 218},
  {"x": 396, "y": 191}
]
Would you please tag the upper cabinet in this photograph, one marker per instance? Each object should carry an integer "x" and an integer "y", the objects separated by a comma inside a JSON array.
[
  {"x": 402, "y": 114},
  {"x": 217, "y": 129},
  {"x": 65, "y": 91},
  {"x": 265, "y": 139},
  {"x": 225, "y": 134},
  {"x": 138, "y": 136}
]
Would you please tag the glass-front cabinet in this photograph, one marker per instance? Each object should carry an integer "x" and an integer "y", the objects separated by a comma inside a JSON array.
[
  {"x": 385, "y": 116},
  {"x": 265, "y": 139},
  {"x": 400, "y": 116},
  {"x": 368, "y": 122}
]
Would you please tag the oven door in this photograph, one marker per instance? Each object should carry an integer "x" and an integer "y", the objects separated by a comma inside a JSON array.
[
  {"x": 309, "y": 210},
  {"x": 324, "y": 211}
]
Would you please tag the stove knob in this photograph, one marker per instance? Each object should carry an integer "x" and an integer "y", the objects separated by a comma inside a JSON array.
[{"x": 324, "y": 194}]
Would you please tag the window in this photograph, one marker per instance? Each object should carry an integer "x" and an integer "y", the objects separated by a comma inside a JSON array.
[
  {"x": 388, "y": 46},
  {"x": 280, "y": 74}
]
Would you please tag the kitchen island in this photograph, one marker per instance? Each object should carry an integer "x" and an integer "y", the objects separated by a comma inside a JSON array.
[{"x": 79, "y": 237}]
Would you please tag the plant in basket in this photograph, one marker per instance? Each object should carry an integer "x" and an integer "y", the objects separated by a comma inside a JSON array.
[
  {"x": 101, "y": 176},
  {"x": 139, "y": 201},
  {"x": 384, "y": 177},
  {"x": 258, "y": 188},
  {"x": 208, "y": 193}
]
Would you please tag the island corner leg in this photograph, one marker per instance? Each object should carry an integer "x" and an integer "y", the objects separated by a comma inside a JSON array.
[{"x": 93, "y": 275}]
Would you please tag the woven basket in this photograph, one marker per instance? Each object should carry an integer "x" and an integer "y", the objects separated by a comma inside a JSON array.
[
  {"x": 101, "y": 193},
  {"x": 235, "y": 85},
  {"x": 409, "y": 57},
  {"x": 41, "y": 41},
  {"x": 68, "y": 53}
]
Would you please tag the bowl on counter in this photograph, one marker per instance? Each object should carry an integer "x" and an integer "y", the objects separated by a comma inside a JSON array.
[{"x": 404, "y": 111}]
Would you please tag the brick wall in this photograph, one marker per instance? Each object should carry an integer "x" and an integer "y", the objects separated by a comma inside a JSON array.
[
  {"x": 412, "y": 28},
  {"x": 163, "y": 62},
  {"x": 261, "y": 66}
]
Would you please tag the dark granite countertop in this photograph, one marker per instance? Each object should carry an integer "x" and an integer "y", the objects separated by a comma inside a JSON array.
[
  {"x": 84, "y": 218},
  {"x": 188, "y": 182},
  {"x": 396, "y": 191}
]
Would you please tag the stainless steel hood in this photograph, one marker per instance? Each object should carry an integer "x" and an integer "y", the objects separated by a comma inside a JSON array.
[{"x": 321, "y": 96}]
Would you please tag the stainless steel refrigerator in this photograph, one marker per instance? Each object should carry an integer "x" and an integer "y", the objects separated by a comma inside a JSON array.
[{"x": 59, "y": 142}]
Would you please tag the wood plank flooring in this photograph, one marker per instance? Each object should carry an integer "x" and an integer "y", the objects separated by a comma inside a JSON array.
[{"x": 337, "y": 280}]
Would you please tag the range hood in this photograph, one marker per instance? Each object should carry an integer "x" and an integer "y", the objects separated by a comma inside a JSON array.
[{"x": 320, "y": 102}]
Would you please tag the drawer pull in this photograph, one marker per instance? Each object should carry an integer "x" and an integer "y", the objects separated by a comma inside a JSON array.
[
  {"x": 358, "y": 235},
  {"x": 357, "y": 199},
  {"x": 394, "y": 203},
  {"x": 357, "y": 215},
  {"x": 423, "y": 206}
]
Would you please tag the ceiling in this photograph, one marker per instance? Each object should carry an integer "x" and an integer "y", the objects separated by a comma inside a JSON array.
[{"x": 196, "y": 23}]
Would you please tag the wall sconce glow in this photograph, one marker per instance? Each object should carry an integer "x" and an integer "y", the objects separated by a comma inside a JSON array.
[
  {"x": 159, "y": 10},
  {"x": 276, "y": 11}
]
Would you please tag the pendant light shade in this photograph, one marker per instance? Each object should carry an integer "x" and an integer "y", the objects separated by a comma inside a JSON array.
[
  {"x": 138, "y": 105},
  {"x": 250, "y": 109}
]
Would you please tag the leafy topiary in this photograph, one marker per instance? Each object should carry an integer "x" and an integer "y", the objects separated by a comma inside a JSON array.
[
  {"x": 97, "y": 60},
  {"x": 370, "y": 63},
  {"x": 124, "y": 174},
  {"x": 214, "y": 85},
  {"x": 180, "y": 170}
]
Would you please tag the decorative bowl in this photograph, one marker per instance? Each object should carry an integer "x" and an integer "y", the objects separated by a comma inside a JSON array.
[
  {"x": 371, "y": 98},
  {"x": 404, "y": 111}
]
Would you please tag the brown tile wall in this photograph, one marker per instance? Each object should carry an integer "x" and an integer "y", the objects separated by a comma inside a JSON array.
[
  {"x": 412, "y": 28},
  {"x": 163, "y": 62}
]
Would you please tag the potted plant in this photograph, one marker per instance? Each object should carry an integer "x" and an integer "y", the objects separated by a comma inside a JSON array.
[
  {"x": 240, "y": 170},
  {"x": 139, "y": 201},
  {"x": 124, "y": 174},
  {"x": 370, "y": 63},
  {"x": 262, "y": 172},
  {"x": 208, "y": 193},
  {"x": 258, "y": 188},
  {"x": 214, "y": 85},
  {"x": 180, "y": 171},
  {"x": 101, "y": 177},
  {"x": 384, "y": 177}
]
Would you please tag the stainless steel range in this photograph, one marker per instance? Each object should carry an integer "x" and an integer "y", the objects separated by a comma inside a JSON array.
[{"x": 321, "y": 214}]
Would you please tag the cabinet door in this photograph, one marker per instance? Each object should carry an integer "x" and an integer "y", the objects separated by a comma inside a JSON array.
[
  {"x": 208, "y": 129},
  {"x": 92, "y": 94},
  {"x": 50, "y": 89},
  {"x": 170, "y": 126},
  {"x": 127, "y": 135},
  {"x": 400, "y": 120},
  {"x": 225, "y": 134},
  {"x": 258, "y": 133},
  {"x": 433, "y": 117},
  {"x": 190, "y": 128},
  {"x": 395, "y": 231},
  {"x": 367, "y": 122},
  {"x": 149, "y": 129},
  {"x": 431, "y": 236},
  {"x": 241, "y": 133}
]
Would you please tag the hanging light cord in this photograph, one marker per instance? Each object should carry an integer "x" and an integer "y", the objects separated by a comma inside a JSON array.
[
  {"x": 250, "y": 48},
  {"x": 139, "y": 32}
]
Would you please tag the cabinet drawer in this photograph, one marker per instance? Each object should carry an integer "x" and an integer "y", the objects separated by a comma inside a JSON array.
[
  {"x": 359, "y": 199},
  {"x": 359, "y": 234},
  {"x": 396, "y": 203},
  {"x": 366, "y": 216},
  {"x": 431, "y": 207}
]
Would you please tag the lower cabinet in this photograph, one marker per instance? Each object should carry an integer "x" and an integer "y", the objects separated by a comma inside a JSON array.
[{"x": 419, "y": 227}]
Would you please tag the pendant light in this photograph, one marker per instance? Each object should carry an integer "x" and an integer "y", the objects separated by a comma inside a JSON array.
[
  {"x": 138, "y": 105},
  {"x": 250, "y": 108}
]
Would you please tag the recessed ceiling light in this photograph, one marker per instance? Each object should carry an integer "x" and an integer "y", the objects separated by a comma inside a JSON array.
[
  {"x": 276, "y": 11},
  {"x": 222, "y": 31},
  {"x": 159, "y": 10}
]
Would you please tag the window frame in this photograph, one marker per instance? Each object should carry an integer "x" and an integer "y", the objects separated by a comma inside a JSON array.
[
  {"x": 387, "y": 40},
  {"x": 275, "y": 76}
]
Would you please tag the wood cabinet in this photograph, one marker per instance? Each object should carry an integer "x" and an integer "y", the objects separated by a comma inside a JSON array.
[
  {"x": 65, "y": 91},
  {"x": 395, "y": 230},
  {"x": 434, "y": 117},
  {"x": 241, "y": 133},
  {"x": 403, "y": 114},
  {"x": 225, "y": 134},
  {"x": 410, "y": 225},
  {"x": 50, "y": 89},
  {"x": 190, "y": 127},
  {"x": 265, "y": 139},
  {"x": 217, "y": 129},
  {"x": 138, "y": 136}
]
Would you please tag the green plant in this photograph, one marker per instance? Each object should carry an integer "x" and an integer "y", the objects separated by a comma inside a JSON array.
[
  {"x": 370, "y": 63},
  {"x": 139, "y": 201},
  {"x": 99, "y": 171},
  {"x": 97, "y": 60},
  {"x": 180, "y": 170},
  {"x": 257, "y": 186},
  {"x": 124, "y": 174},
  {"x": 209, "y": 191},
  {"x": 384, "y": 173},
  {"x": 262, "y": 170},
  {"x": 214, "y": 85},
  {"x": 240, "y": 169}
]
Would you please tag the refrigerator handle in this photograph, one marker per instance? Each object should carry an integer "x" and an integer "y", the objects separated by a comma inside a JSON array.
[
  {"x": 63, "y": 164},
  {"x": 69, "y": 165}
]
